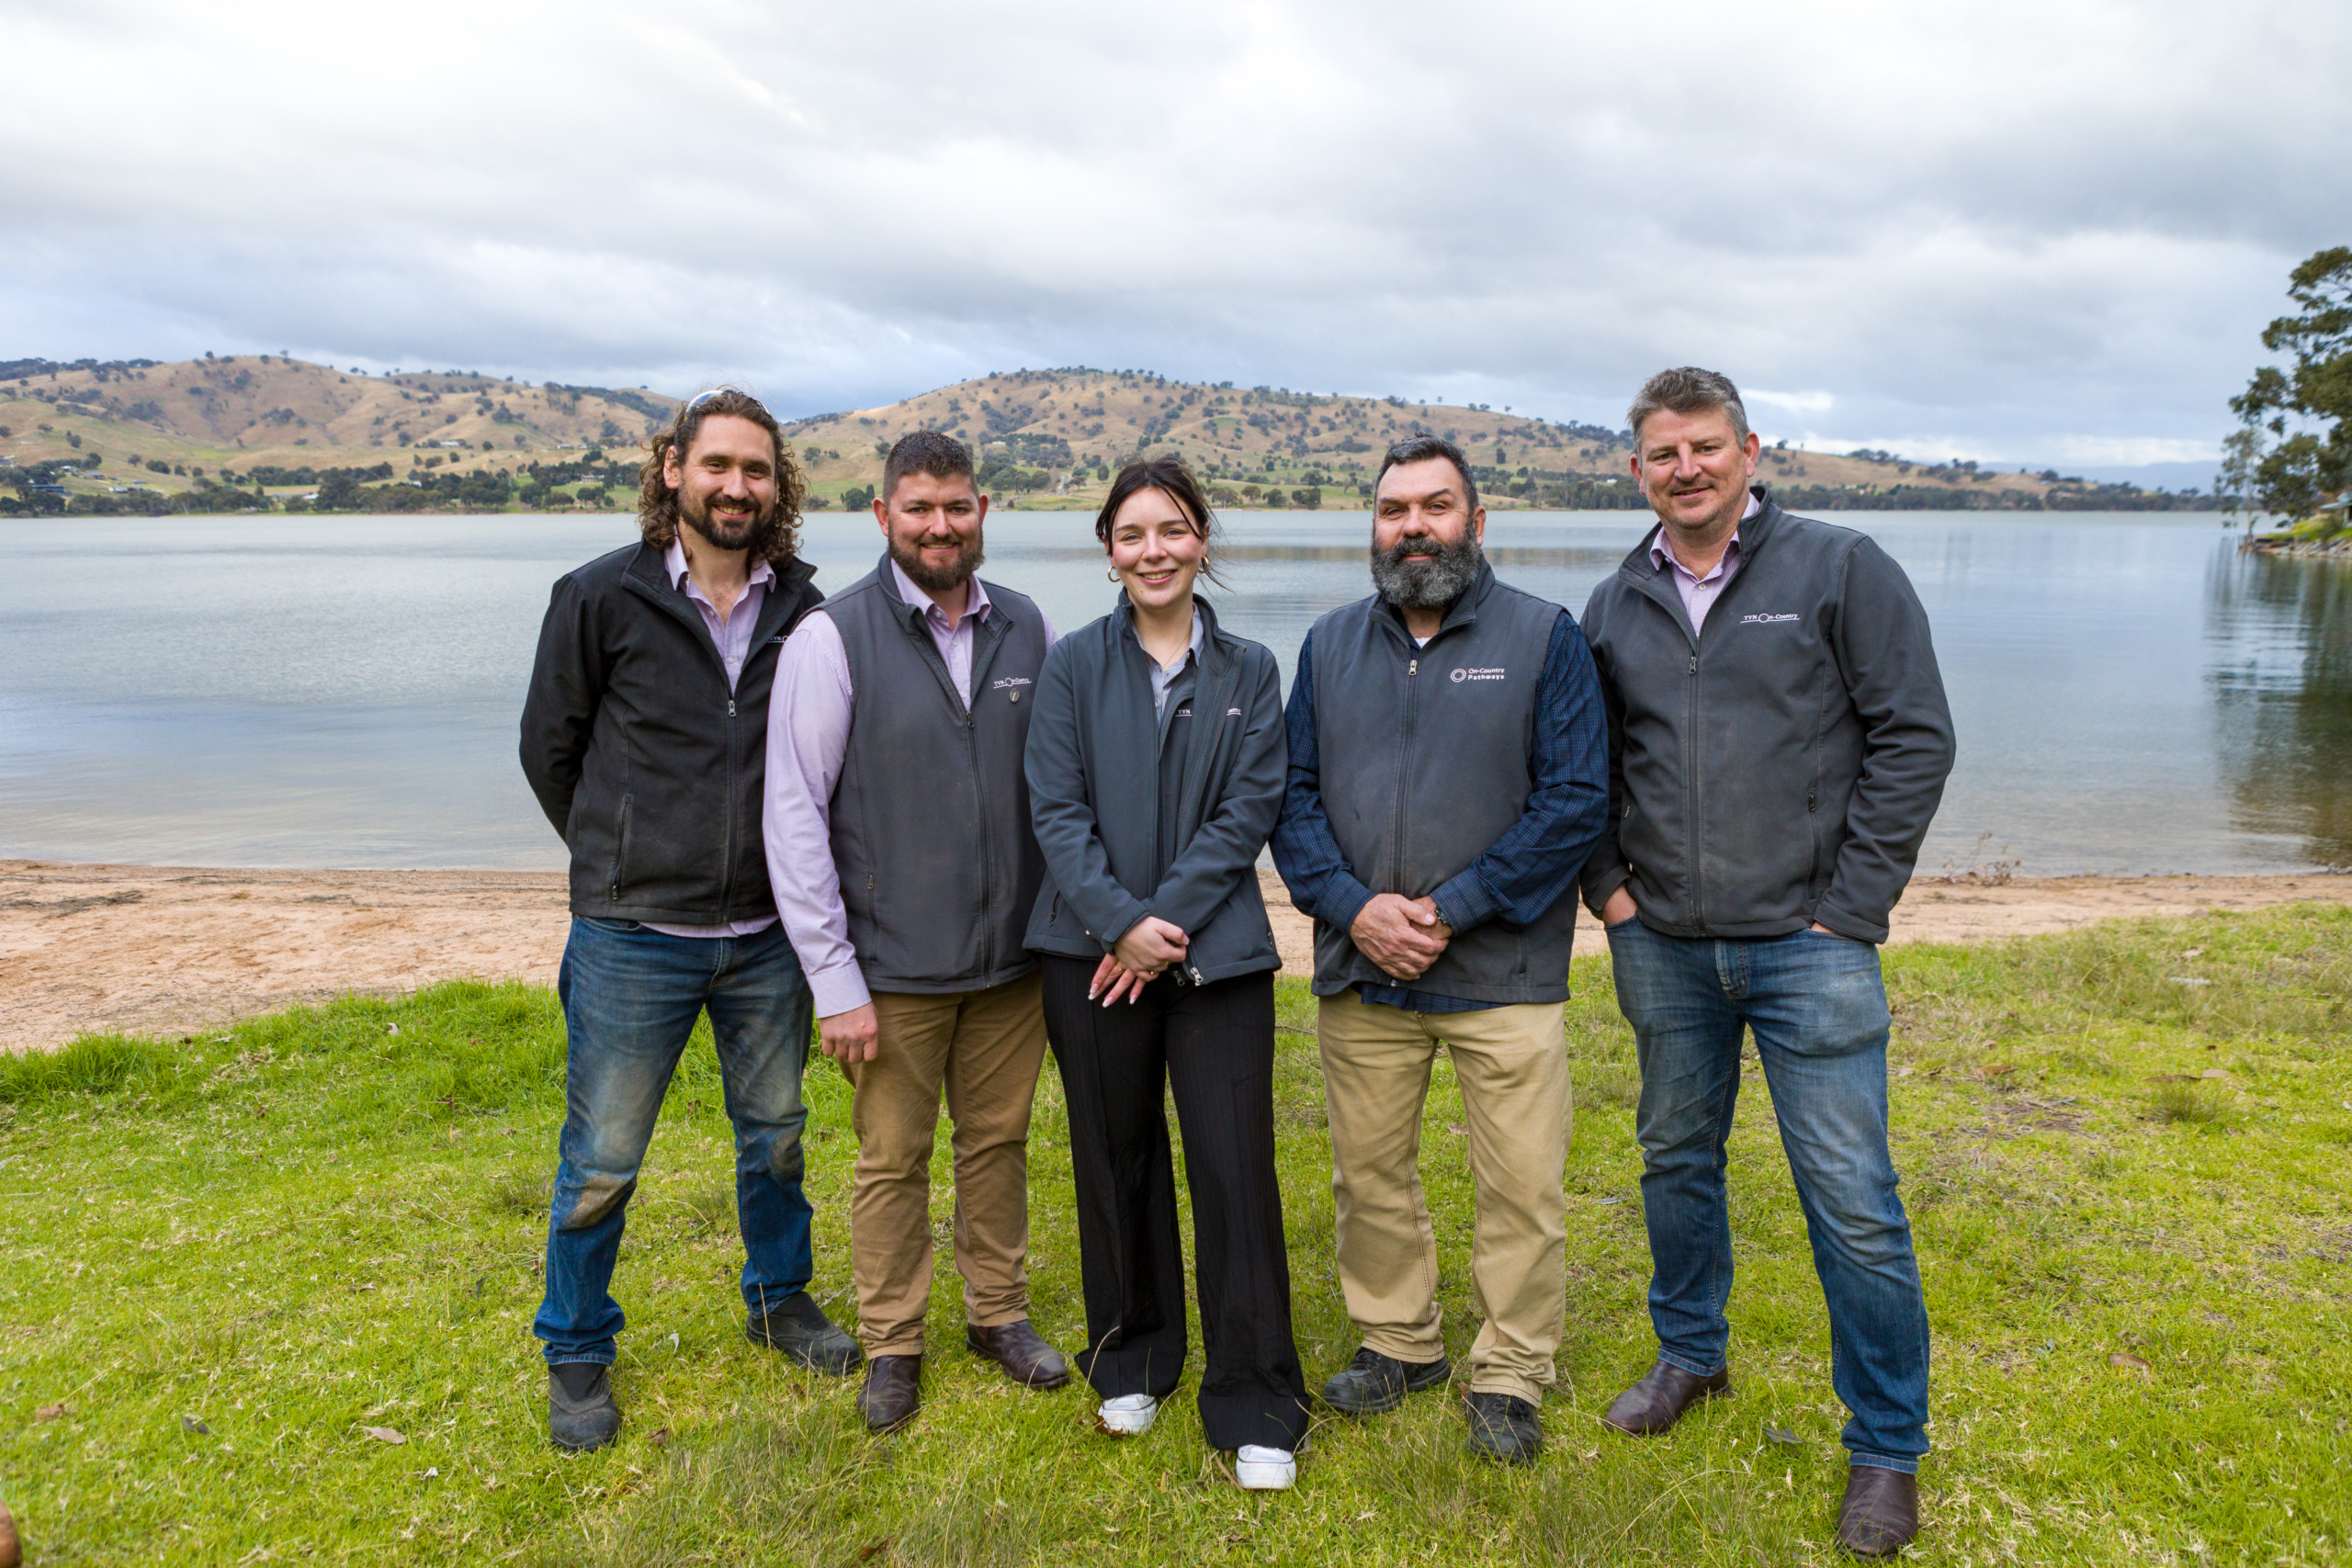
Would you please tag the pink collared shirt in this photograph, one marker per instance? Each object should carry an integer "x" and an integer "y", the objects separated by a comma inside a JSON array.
[
  {"x": 1700, "y": 593},
  {"x": 731, "y": 634},
  {"x": 809, "y": 718}
]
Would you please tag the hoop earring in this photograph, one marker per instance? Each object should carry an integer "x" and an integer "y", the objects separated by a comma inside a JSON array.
[{"x": 1113, "y": 574}]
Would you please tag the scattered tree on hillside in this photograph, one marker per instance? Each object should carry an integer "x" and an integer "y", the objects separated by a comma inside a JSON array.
[{"x": 2314, "y": 394}]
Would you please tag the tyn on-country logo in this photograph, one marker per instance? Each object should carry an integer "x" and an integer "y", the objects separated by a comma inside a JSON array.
[
  {"x": 1476, "y": 674},
  {"x": 1766, "y": 620}
]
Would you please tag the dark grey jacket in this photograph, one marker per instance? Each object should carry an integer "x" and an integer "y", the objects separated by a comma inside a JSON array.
[
  {"x": 930, "y": 814},
  {"x": 1094, "y": 768},
  {"x": 646, "y": 764},
  {"x": 1782, "y": 767}
]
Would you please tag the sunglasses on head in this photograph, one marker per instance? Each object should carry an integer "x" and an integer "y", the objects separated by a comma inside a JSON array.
[{"x": 701, "y": 398}]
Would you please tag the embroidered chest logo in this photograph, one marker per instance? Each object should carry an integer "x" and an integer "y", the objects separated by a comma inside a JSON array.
[
  {"x": 1008, "y": 681},
  {"x": 1767, "y": 620},
  {"x": 1495, "y": 673}
]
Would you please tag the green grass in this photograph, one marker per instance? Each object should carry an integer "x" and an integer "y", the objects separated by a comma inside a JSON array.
[{"x": 226, "y": 1258}]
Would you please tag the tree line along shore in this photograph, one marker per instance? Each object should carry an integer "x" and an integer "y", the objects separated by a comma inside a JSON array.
[{"x": 252, "y": 433}]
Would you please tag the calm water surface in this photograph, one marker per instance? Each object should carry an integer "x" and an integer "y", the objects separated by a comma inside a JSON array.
[{"x": 2131, "y": 695}]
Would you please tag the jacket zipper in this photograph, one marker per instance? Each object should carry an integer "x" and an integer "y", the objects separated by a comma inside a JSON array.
[
  {"x": 1695, "y": 803},
  {"x": 988, "y": 848},
  {"x": 734, "y": 794},
  {"x": 1404, "y": 751}
]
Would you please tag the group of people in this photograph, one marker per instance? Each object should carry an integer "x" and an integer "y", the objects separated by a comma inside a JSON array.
[{"x": 911, "y": 821}]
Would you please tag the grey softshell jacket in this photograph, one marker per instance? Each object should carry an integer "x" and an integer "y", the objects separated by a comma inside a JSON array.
[
  {"x": 1094, "y": 769},
  {"x": 1782, "y": 767}
]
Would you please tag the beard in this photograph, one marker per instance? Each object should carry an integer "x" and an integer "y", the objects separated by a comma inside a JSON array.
[
  {"x": 1430, "y": 584},
  {"x": 721, "y": 534},
  {"x": 937, "y": 578}
]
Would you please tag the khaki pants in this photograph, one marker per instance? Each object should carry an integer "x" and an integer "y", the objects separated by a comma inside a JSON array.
[
  {"x": 984, "y": 1048},
  {"x": 1512, "y": 1065}
]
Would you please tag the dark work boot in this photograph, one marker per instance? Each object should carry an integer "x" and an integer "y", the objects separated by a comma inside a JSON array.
[
  {"x": 582, "y": 1413},
  {"x": 1504, "y": 1428},
  {"x": 1657, "y": 1401},
  {"x": 893, "y": 1392},
  {"x": 1880, "y": 1513},
  {"x": 1025, "y": 1357},
  {"x": 798, "y": 1327},
  {"x": 1373, "y": 1382}
]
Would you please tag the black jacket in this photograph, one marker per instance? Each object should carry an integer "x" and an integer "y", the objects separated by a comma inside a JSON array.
[
  {"x": 1093, "y": 767},
  {"x": 1782, "y": 767},
  {"x": 644, "y": 760}
]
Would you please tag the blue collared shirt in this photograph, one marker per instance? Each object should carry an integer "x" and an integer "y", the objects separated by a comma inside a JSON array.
[{"x": 1522, "y": 874}]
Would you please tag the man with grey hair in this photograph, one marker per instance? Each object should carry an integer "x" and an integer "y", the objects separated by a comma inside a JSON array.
[
  {"x": 1447, "y": 781},
  {"x": 1779, "y": 740}
]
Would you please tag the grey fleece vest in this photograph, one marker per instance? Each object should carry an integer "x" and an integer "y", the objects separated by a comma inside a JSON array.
[
  {"x": 931, "y": 827},
  {"x": 1424, "y": 755}
]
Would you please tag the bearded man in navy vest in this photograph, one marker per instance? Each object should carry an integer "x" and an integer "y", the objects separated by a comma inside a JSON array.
[
  {"x": 1779, "y": 740},
  {"x": 898, "y": 840},
  {"x": 1448, "y": 778}
]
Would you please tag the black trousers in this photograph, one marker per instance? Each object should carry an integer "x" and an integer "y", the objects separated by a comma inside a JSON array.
[{"x": 1213, "y": 1047}]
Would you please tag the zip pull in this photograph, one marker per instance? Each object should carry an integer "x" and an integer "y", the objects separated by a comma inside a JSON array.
[
  {"x": 730, "y": 707},
  {"x": 1412, "y": 667},
  {"x": 1694, "y": 664}
]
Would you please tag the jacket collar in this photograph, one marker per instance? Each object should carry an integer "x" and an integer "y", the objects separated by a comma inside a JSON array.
[
  {"x": 787, "y": 598},
  {"x": 1641, "y": 572},
  {"x": 1212, "y": 651}
]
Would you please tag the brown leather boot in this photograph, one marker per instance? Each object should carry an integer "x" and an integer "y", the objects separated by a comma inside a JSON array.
[
  {"x": 1026, "y": 1359},
  {"x": 1657, "y": 1401},
  {"x": 1880, "y": 1513},
  {"x": 893, "y": 1392}
]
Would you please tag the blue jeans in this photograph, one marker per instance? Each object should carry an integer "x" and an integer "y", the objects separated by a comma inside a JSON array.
[
  {"x": 1817, "y": 1007},
  {"x": 630, "y": 997}
]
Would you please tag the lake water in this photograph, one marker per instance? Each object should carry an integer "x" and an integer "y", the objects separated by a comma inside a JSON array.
[{"x": 2131, "y": 694}]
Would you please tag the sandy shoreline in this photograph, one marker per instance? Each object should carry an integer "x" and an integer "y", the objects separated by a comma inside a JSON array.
[{"x": 169, "y": 950}]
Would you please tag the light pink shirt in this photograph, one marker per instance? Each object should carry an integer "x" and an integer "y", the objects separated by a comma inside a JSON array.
[
  {"x": 808, "y": 720},
  {"x": 1700, "y": 593},
  {"x": 731, "y": 634}
]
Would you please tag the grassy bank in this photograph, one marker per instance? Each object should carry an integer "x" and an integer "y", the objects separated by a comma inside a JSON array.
[{"x": 227, "y": 1260}]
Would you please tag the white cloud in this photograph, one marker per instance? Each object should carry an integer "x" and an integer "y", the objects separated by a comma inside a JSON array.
[{"x": 2019, "y": 225}]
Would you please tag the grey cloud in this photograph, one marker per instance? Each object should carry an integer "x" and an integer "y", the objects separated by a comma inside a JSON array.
[{"x": 2012, "y": 226}]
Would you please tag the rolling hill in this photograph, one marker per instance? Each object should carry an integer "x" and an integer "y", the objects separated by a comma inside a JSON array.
[{"x": 141, "y": 435}]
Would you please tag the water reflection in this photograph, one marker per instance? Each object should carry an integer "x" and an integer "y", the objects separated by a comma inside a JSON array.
[{"x": 2279, "y": 636}]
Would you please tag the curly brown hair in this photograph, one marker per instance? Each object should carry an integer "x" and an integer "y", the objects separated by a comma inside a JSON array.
[{"x": 778, "y": 535}]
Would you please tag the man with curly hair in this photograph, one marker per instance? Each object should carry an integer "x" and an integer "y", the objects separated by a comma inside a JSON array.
[{"x": 645, "y": 739}]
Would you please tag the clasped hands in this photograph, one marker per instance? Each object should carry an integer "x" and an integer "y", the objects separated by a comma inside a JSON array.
[
  {"x": 1403, "y": 935},
  {"x": 1138, "y": 959}
]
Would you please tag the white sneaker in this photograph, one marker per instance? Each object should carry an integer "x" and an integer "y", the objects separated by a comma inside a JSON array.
[
  {"x": 1265, "y": 1469},
  {"x": 1129, "y": 1416}
]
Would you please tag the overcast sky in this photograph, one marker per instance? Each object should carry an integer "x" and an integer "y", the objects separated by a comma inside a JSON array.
[{"x": 2043, "y": 233}]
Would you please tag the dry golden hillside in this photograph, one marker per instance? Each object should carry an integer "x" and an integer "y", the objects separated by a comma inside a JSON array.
[
  {"x": 1045, "y": 437},
  {"x": 265, "y": 410}
]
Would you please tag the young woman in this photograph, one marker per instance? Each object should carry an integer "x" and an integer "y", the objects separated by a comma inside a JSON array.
[{"x": 1156, "y": 761}]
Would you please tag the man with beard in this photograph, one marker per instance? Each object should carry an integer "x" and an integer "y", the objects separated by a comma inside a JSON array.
[
  {"x": 899, "y": 839},
  {"x": 643, "y": 737},
  {"x": 1448, "y": 777}
]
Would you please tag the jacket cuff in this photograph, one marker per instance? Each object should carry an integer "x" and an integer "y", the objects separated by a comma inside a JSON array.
[
  {"x": 1463, "y": 903},
  {"x": 1344, "y": 901},
  {"x": 1599, "y": 886},
  {"x": 1123, "y": 920},
  {"x": 1846, "y": 923},
  {"x": 841, "y": 989}
]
